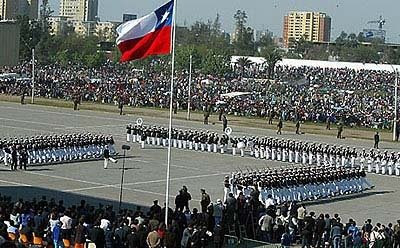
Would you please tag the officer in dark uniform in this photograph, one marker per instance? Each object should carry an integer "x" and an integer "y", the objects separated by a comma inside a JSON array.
[
  {"x": 280, "y": 125},
  {"x": 23, "y": 96},
  {"x": 224, "y": 123},
  {"x": 120, "y": 106},
  {"x": 14, "y": 158},
  {"x": 376, "y": 139},
  {"x": 340, "y": 130},
  {"x": 23, "y": 159},
  {"x": 298, "y": 127}
]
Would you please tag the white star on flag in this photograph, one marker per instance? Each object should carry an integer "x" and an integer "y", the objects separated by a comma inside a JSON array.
[{"x": 165, "y": 16}]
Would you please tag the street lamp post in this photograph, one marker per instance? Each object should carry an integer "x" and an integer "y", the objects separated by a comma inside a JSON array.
[
  {"x": 190, "y": 84},
  {"x": 33, "y": 76},
  {"x": 396, "y": 86},
  {"x": 125, "y": 148}
]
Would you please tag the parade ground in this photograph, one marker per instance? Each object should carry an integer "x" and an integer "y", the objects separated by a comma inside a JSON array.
[{"x": 146, "y": 168}]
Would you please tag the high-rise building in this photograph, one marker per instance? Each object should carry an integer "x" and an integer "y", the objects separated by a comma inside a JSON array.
[
  {"x": 311, "y": 26},
  {"x": 80, "y": 10},
  {"x": 9, "y": 40},
  {"x": 128, "y": 17},
  {"x": 10, "y": 9}
]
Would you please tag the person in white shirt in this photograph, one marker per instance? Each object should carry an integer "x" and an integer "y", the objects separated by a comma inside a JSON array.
[
  {"x": 104, "y": 224},
  {"x": 269, "y": 201},
  {"x": 66, "y": 226}
]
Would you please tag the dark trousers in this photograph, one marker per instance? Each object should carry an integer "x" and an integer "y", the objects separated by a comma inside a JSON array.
[
  {"x": 396, "y": 243},
  {"x": 14, "y": 165},
  {"x": 305, "y": 241},
  {"x": 318, "y": 241},
  {"x": 376, "y": 145},
  {"x": 22, "y": 163}
]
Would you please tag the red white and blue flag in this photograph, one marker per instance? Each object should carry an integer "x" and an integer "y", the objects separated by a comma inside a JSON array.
[{"x": 149, "y": 35}]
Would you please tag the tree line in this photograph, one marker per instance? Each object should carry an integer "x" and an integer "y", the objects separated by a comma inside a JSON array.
[{"x": 210, "y": 47}]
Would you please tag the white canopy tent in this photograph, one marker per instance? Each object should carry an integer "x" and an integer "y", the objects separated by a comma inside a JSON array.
[{"x": 235, "y": 94}]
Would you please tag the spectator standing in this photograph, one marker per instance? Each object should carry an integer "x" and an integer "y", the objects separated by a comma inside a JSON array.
[
  {"x": 66, "y": 225},
  {"x": 266, "y": 223},
  {"x": 320, "y": 226},
  {"x": 336, "y": 234},
  {"x": 218, "y": 209},
  {"x": 396, "y": 235},
  {"x": 205, "y": 200},
  {"x": 153, "y": 239},
  {"x": 187, "y": 236},
  {"x": 80, "y": 234},
  {"x": 96, "y": 235}
]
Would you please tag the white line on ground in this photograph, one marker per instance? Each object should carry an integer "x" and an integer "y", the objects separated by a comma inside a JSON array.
[
  {"x": 175, "y": 179},
  {"x": 34, "y": 122},
  {"x": 64, "y": 114},
  {"x": 28, "y": 129},
  {"x": 15, "y": 183},
  {"x": 98, "y": 126},
  {"x": 100, "y": 185}
]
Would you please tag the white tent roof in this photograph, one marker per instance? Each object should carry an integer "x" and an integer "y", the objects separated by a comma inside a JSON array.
[
  {"x": 234, "y": 94},
  {"x": 323, "y": 64}
]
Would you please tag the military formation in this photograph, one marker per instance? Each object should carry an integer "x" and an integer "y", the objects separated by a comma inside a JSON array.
[
  {"x": 305, "y": 183},
  {"x": 51, "y": 149},
  {"x": 183, "y": 139},
  {"x": 380, "y": 162},
  {"x": 269, "y": 148},
  {"x": 299, "y": 152}
]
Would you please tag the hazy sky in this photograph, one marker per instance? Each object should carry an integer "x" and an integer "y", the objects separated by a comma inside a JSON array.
[{"x": 347, "y": 15}]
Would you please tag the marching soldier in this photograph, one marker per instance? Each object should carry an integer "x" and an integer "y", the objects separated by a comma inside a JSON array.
[{"x": 107, "y": 157}]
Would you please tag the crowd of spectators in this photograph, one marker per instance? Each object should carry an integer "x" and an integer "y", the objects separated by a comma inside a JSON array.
[
  {"x": 354, "y": 97},
  {"x": 48, "y": 223}
]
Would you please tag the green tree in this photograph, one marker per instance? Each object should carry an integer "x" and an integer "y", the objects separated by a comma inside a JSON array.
[
  {"x": 30, "y": 35},
  {"x": 243, "y": 64},
  {"x": 272, "y": 55},
  {"x": 216, "y": 63},
  {"x": 243, "y": 43}
]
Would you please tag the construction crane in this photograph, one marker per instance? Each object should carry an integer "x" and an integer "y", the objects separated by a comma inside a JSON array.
[{"x": 380, "y": 22}]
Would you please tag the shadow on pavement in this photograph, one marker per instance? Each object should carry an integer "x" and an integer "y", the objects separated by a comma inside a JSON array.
[
  {"x": 69, "y": 198},
  {"x": 348, "y": 197}
]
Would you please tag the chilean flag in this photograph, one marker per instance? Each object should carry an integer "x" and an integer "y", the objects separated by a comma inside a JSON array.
[{"x": 149, "y": 35}]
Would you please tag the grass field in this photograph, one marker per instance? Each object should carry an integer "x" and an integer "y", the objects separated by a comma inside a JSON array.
[{"x": 309, "y": 128}]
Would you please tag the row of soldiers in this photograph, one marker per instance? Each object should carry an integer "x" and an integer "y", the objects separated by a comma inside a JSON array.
[
  {"x": 269, "y": 148},
  {"x": 182, "y": 139},
  {"x": 380, "y": 162},
  {"x": 297, "y": 183},
  {"x": 56, "y": 148}
]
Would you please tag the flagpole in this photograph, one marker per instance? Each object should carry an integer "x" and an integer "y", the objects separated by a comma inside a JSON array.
[
  {"x": 190, "y": 84},
  {"x": 171, "y": 92}
]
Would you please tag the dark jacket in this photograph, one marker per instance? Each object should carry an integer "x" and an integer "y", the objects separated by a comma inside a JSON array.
[
  {"x": 106, "y": 153},
  {"x": 97, "y": 236}
]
